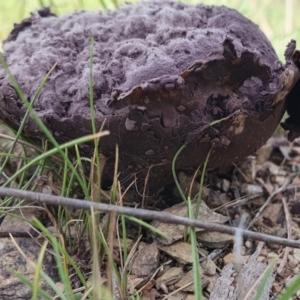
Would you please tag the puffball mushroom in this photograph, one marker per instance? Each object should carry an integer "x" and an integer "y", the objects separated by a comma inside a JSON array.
[{"x": 165, "y": 74}]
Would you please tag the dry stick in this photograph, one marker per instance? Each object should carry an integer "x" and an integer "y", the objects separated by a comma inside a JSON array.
[
  {"x": 146, "y": 182},
  {"x": 146, "y": 214},
  {"x": 289, "y": 235}
]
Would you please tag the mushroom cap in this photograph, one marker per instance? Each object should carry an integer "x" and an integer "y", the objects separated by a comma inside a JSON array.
[{"x": 164, "y": 74}]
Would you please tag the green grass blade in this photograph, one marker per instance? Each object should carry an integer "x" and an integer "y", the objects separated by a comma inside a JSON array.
[
  {"x": 291, "y": 290},
  {"x": 59, "y": 247},
  {"x": 264, "y": 282},
  {"x": 91, "y": 90},
  {"x": 27, "y": 282},
  {"x": 196, "y": 266},
  {"x": 81, "y": 171},
  {"x": 24, "y": 120},
  {"x": 96, "y": 277},
  {"x": 38, "y": 269},
  {"x": 60, "y": 148},
  {"x": 65, "y": 177},
  {"x": 199, "y": 199},
  {"x": 148, "y": 226},
  {"x": 103, "y": 4},
  {"x": 37, "y": 119},
  {"x": 174, "y": 173}
]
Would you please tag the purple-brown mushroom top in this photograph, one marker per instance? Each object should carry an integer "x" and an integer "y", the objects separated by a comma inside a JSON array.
[{"x": 162, "y": 72}]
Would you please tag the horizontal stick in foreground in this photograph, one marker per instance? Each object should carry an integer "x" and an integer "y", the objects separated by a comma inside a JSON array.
[{"x": 144, "y": 214}]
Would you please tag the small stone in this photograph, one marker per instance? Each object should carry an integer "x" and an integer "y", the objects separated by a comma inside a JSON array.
[
  {"x": 261, "y": 259},
  {"x": 181, "y": 108},
  {"x": 165, "y": 161},
  {"x": 225, "y": 141},
  {"x": 251, "y": 189},
  {"x": 141, "y": 108},
  {"x": 292, "y": 261},
  {"x": 249, "y": 244},
  {"x": 145, "y": 126},
  {"x": 225, "y": 185},
  {"x": 47, "y": 190},
  {"x": 180, "y": 80},
  {"x": 150, "y": 152},
  {"x": 231, "y": 258},
  {"x": 276, "y": 288},
  {"x": 129, "y": 124},
  {"x": 209, "y": 267}
]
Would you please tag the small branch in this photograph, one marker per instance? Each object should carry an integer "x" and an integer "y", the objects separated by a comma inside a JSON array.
[
  {"x": 144, "y": 214},
  {"x": 289, "y": 235},
  {"x": 279, "y": 190}
]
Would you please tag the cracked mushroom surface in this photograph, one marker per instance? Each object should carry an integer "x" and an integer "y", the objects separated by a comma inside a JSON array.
[{"x": 164, "y": 74}]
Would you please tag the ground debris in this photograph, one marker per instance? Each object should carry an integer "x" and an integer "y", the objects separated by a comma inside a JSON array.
[
  {"x": 176, "y": 232},
  {"x": 146, "y": 261},
  {"x": 18, "y": 224},
  {"x": 186, "y": 282},
  {"x": 171, "y": 276},
  {"x": 180, "y": 251},
  {"x": 212, "y": 239},
  {"x": 245, "y": 279}
]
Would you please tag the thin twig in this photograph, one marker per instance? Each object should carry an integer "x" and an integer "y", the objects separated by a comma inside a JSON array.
[
  {"x": 279, "y": 190},
  {"x": 110, "y": 242},
  {"x": 289, "y": 235},
  {"x": 146, "y": 182},
  {"x": 144, "y": 214}
]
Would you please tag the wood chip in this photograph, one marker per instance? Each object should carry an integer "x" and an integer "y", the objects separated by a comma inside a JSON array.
[
  {"x": 214, "y": 239},
  {"x": 188, "y": 281},
  {"x": 171, "y": 276},
  {"x": 180, "y": 251},
  {"x": 209, "y": 267},
  {"x": 146, "y": 261},
  {"x": 272, "y": 212}
]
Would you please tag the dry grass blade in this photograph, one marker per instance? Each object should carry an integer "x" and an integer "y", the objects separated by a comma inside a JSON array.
[
  {"x": 279, "y": 190},
  {"x": 289, "y": 235}
]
